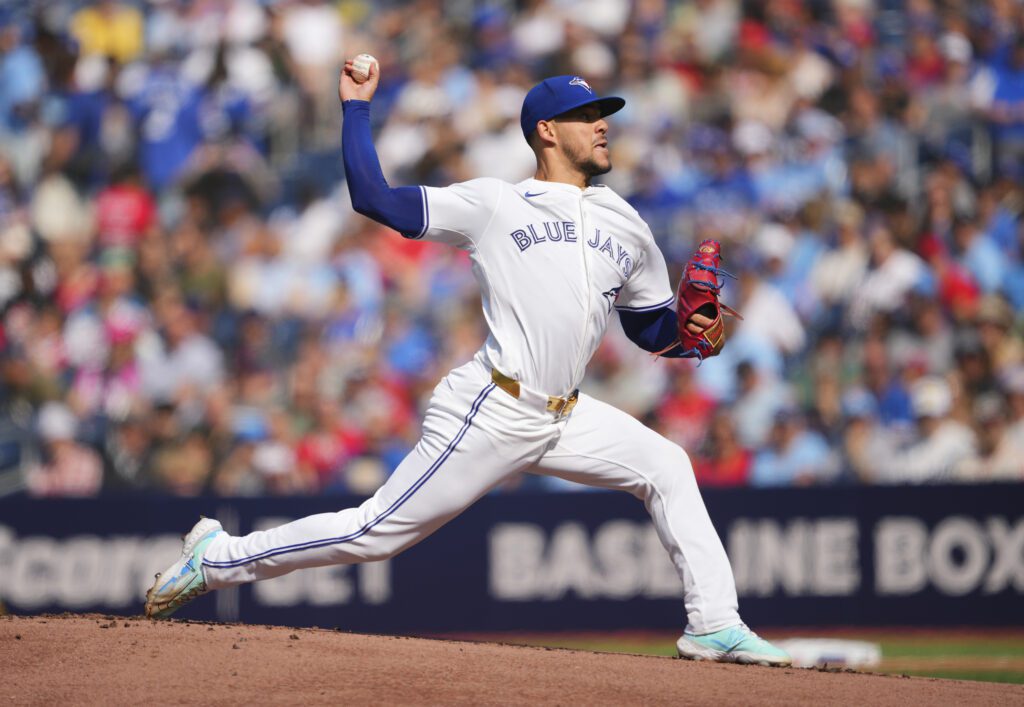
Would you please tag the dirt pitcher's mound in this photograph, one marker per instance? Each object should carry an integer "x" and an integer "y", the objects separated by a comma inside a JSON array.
[{"x": 111, "y": 660}]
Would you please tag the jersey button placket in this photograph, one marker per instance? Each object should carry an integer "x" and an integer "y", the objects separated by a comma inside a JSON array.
[{"x": 586, "y": 288}]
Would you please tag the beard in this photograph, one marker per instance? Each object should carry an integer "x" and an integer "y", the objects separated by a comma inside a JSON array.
[{"x": 583, "y": 159}]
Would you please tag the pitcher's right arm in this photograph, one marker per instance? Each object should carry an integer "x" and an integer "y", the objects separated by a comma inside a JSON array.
[{"x": 400, "y": 208}]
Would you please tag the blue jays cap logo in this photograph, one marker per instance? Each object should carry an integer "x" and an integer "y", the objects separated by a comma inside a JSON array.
[{"x": 577, "y": 81}]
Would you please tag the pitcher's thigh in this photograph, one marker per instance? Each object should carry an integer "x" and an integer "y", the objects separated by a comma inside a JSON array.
[{"x": 605, "y": 447}]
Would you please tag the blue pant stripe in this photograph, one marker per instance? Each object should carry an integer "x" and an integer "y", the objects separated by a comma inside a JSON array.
[{"x": 467, "y": 423}]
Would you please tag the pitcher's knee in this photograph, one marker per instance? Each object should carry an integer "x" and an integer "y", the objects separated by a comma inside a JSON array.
[{"x": 670, "y": 465}]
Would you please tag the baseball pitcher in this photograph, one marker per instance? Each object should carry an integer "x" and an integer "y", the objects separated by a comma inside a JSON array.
[{"x": 554, "y": 256}]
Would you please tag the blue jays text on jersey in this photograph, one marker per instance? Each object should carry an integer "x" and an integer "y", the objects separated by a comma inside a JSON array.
[{"x": 565, "y": 232}]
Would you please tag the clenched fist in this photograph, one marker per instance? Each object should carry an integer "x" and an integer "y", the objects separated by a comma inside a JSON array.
[{"x": 349, "y": 89}]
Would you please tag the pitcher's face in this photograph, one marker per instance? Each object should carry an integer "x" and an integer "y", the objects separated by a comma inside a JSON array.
[{"x": 583, "y": 140}]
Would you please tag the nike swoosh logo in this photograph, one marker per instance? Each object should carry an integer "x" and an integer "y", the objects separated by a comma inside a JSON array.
[{"x": 528, "y": 195}]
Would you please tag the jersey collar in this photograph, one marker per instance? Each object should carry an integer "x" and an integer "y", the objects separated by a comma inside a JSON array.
[{"x": 536, "y": 185}]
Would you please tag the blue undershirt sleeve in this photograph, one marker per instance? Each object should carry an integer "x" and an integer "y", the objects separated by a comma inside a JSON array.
[
  {"x": 399, "y": 208},
  {"x": 653, "y": 331}
]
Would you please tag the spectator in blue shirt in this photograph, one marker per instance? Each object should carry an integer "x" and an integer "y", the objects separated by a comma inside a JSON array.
[
  {"x": 980, "y": 255},
  {"x": 167, "y": 109},
  {"x": 795, "y": 456},
  {"x": 1007, "y": 112},
  {"x": 22, "y": 79}
]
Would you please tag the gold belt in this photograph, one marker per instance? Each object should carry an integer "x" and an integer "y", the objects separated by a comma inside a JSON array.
[{"x": 559, "y": 406}]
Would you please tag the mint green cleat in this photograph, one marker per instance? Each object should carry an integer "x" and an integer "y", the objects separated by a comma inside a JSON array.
[
  {"x": 736, "y": 644},
  {"x": 183, "y": 581}
]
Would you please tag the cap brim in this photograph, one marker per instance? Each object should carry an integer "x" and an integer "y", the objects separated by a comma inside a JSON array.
[{"x": 608, "y": 105}]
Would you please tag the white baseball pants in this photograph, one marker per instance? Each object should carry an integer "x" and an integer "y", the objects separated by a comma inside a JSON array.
[{"x": 476, "y": 435}]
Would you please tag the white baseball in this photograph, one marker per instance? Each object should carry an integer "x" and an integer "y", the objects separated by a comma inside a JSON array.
[{"x": 361, "y": 67}]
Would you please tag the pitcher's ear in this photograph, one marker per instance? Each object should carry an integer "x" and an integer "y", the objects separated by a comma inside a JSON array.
[{"x": 545, "y": 131}]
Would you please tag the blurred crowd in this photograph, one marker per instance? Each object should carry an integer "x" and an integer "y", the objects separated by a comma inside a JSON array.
[{"x": 189, "y": 304}]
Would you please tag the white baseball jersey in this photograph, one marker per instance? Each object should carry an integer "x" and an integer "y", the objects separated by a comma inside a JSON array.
[{"x": 552, "y": 261}]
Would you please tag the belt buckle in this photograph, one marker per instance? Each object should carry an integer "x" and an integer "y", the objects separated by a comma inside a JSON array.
[{"x": 563, "y": 406}]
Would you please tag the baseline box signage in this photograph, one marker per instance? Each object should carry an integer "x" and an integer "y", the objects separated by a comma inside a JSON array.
[{"x": 592, "y": 561}]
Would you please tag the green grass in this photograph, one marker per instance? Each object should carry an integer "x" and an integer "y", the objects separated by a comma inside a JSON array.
[
  {"x": 937, "y": 646},
  {"x": 998, "y": 657},
  {"x": 986, "y": 658}
]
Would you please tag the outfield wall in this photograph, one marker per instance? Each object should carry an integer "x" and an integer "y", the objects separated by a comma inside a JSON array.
[{"x": 928, "y": 556}]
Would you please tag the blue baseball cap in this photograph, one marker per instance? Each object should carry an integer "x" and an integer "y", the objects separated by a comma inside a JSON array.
[{"x": 560, "y": 94}]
